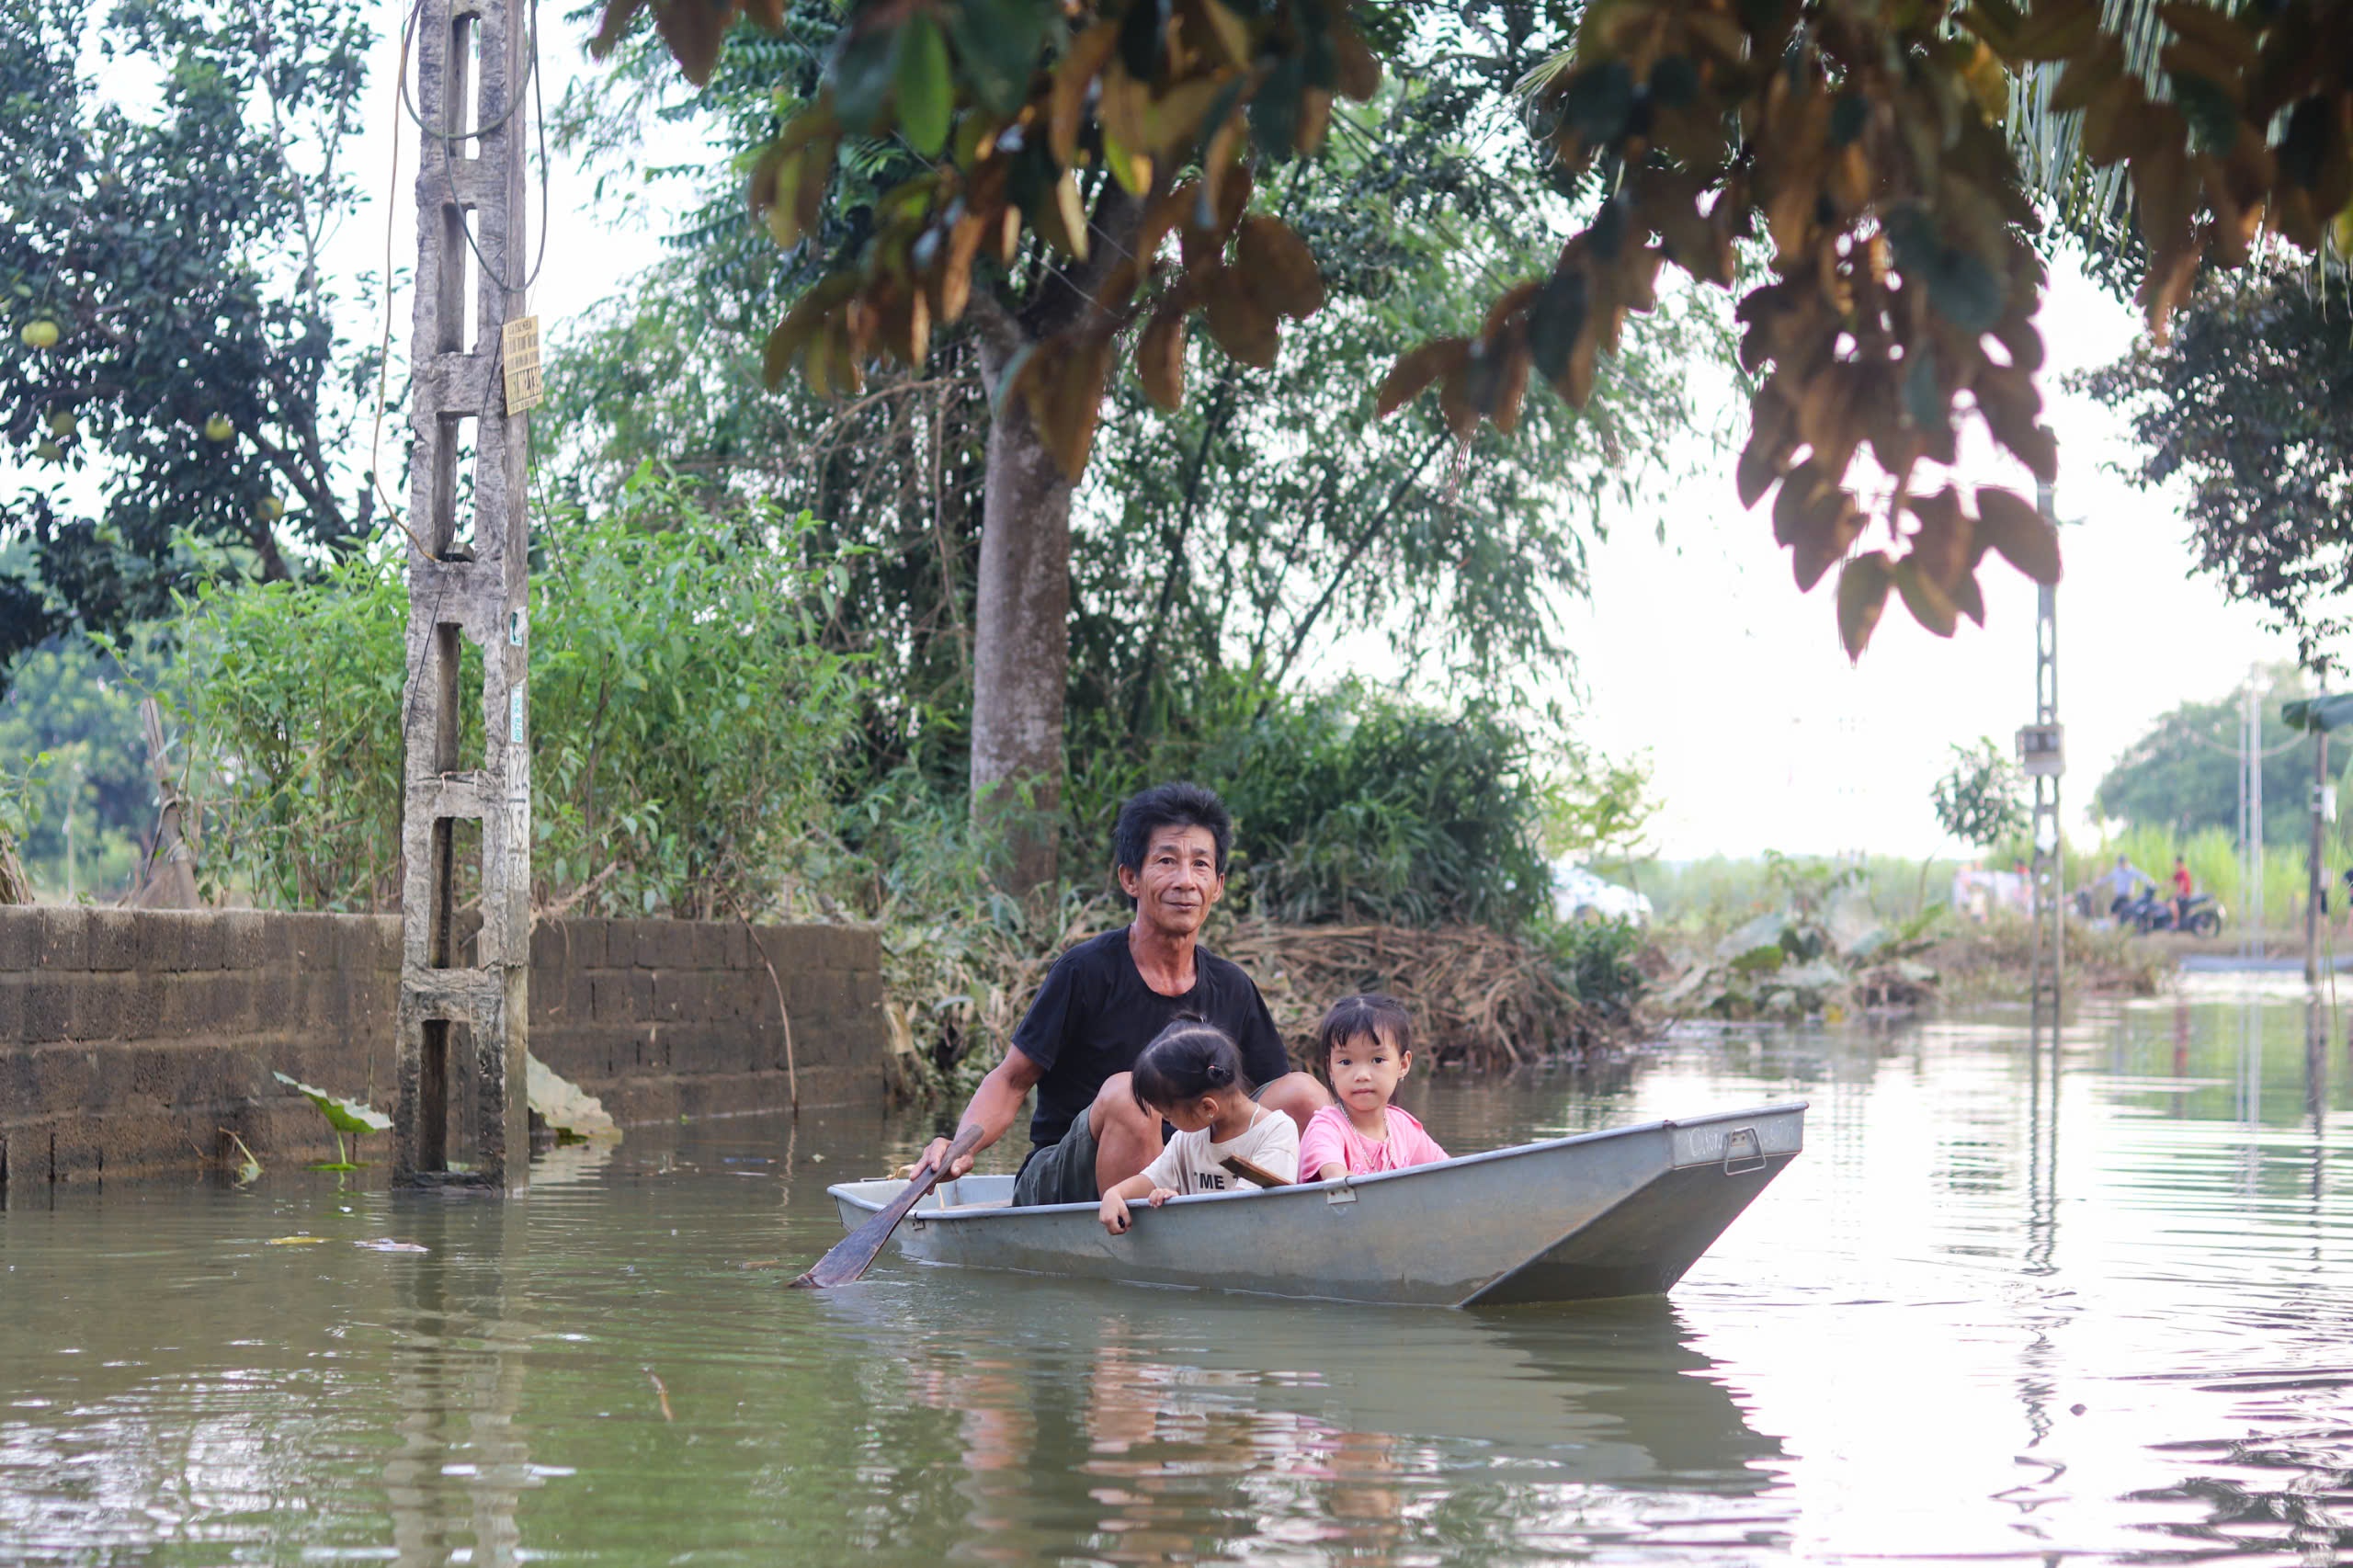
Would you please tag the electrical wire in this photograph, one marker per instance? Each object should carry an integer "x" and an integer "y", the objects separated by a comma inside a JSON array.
[
  {"x": 405, "y": 106},
  {"x": 530, "y": 85},
  {"x": 384, "y": 344}
]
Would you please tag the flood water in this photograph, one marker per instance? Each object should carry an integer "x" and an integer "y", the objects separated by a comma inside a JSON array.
[{"x": 2089, "y": 1301}]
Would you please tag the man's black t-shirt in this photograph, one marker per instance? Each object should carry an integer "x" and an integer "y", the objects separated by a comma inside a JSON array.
[{"x": 1094, "y": 1015}]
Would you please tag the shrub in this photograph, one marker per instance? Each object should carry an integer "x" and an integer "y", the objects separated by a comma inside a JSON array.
[
  {"x": 686, "y": 721},
  {"x": 1349, "y": 805}
]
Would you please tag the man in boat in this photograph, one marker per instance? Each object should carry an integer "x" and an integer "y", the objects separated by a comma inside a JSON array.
[{"x": 1106, "y": 999}]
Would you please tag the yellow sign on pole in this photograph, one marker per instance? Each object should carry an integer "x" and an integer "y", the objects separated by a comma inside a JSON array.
[{"x": 519, "y": 355}]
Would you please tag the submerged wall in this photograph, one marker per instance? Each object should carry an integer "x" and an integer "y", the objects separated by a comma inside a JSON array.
[{"x": 132, "y": 1042}]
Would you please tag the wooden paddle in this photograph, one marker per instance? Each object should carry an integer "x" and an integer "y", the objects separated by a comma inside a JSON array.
[
  {"x": 855, "y": 1253},
  {"x": 1236, "y": 1165}
]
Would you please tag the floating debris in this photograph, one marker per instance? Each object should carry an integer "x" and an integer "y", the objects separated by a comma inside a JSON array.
[
  {"x": 296, "y": 1242},
  {"x": 386, "y": 1243}
]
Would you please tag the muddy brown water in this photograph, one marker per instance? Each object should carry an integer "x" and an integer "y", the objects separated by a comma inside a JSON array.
[{"x": 1995, "y": 1311}]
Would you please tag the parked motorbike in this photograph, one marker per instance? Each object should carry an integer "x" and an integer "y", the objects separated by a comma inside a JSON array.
[{"x": 2199, "y": 916}]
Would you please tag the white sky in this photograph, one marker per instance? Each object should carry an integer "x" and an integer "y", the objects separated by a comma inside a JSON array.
[
  {"x": 1697, "y": 652},
  {"x": 1701, "y": 653}
]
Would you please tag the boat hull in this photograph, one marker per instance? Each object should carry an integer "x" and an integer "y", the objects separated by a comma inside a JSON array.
[{"x": 1622, "y": 1212}]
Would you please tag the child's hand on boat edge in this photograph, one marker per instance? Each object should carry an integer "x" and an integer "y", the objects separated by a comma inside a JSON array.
[{"x": 1114, "y": 1212}]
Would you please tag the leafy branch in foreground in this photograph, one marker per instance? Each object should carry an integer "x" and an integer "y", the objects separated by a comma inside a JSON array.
[{"x": 1862, "y": 140}]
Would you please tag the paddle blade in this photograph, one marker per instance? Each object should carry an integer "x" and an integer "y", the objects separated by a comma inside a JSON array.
[{"x": 855, "y": 1253}]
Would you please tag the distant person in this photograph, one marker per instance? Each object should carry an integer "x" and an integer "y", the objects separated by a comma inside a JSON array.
[
  {"x": 2182, "y": 890},
  {"x": 2123, "y": 882},
  {"x": 1190, "y": 1076},
  {"x": 1367, "y": 1044}
]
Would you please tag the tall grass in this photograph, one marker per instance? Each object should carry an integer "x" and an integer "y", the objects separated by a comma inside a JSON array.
[
  {"x": 2211, "y": 854},
  {"x": 1719, "y": 891}
]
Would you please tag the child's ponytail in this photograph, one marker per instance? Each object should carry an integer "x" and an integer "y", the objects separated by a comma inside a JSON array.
[{"x": 1188, "y": 1058}]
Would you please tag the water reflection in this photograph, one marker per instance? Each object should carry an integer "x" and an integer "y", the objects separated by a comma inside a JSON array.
[
  {"x": 1191, "y": 1417},
  {"x": 2083, "y": 1291},
  {"x": 461, "y": 1457}
]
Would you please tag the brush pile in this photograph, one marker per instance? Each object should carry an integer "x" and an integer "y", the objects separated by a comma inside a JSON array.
[{"x": 1479, "y": 997}]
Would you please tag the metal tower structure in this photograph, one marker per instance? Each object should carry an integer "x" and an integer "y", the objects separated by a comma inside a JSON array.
[
  {"x": 2043, "y": 754},
  {"x": 2250, "y": 913},
  {"x": 466, "y": 814}
]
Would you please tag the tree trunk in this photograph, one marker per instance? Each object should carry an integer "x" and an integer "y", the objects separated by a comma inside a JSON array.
[
  {"x": 1020, "y": 644},
  {"x": 1021, "y": 594}
]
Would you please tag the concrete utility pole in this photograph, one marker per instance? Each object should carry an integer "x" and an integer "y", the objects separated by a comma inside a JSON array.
[
  {"x": 2323, "y": 811},
  {"x": 2251, "y": 916},
  {"x": 2041, "y": 753},
  {"x": 462, "y": 1025}
]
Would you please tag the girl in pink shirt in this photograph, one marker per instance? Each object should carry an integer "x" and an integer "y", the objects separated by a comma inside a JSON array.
[{"x": 1366, "y": 1045}]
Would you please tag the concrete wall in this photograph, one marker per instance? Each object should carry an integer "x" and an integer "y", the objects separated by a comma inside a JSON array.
[{"x": 134, "y": 1041}]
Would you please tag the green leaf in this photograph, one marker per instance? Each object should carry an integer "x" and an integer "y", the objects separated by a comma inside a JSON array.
[
  {"x": 1924, "y": 398},
  {"x": 1554, "y": 320},
  {"x": 997, "y": 41},
  {"x": 1849, "y": 112},
  {"x": 2322, "y": 713},
  {"x": 571, "y": 1112},
  {"x": 1274, "y": 113},
  {"x": 861, "y": 73},
  {"x": 1675, "y": 82},
  {"x": 1144, "y": 32},
  {"x": 2213, "y": 117},
  {"x": 1597, "y": 100},
  {"x": 1965, "y": 291},
  {"x": 344, "y": 1116},
  {"x": 926, "y": 93}
]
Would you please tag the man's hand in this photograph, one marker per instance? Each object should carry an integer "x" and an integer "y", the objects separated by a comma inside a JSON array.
[
  {"x": 1114, "y": 1213},
  {"x": 933, "y": 1152}
]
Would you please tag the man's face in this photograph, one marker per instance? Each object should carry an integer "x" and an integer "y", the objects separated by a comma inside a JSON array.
[{"x": 1179, "y": 881}]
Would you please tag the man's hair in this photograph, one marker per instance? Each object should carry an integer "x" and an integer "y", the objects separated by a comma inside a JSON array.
[{"x": 1146, "y": 812}]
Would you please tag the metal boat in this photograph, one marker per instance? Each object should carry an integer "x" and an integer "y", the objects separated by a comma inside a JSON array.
[{"x": 1621, "y": 1212}]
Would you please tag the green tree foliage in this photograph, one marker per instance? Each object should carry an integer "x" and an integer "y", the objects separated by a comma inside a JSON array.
[
  {"x": 1353, "y": 806},
  {"x": 1243, "y": 523},
  {"x": 1981, "y": 799},
  {"x": 1266, "y": 517},
  {"x": 73, "y": 706},
  {"x": 2250, "y": 408},
  {"x": 170, "y": 338},
  {"x": 1866, "y": 142},
  {"x": 2181, "y": 775},
  {"x": 686, "y": 721}
]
